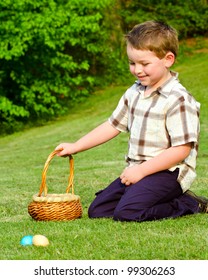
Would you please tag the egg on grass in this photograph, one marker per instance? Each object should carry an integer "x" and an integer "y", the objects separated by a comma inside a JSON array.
[
  {"x": 37, "y": 240},
  {"x": 27, "y": 240},
  {"x": 40, "y": 240}
]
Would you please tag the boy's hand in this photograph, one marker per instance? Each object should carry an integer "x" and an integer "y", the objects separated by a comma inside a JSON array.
[
  {"x": 66, "y": 149},
  {"x": 131, "y": 175}
]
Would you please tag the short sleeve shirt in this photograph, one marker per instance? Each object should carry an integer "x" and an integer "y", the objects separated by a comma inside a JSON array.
[{"x": 168, "y": 117}]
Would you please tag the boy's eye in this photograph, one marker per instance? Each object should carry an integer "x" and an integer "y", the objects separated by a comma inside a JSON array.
[{"x": 131, "y": 63}]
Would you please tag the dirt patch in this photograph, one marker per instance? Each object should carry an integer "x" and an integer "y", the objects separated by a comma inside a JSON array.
[{"x": 198, "y": 45}]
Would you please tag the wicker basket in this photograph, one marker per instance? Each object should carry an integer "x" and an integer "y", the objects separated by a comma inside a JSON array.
[{"x": 56, "y": 207}]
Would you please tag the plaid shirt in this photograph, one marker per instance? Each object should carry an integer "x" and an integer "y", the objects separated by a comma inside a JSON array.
[{"x": 168, "y": 117}]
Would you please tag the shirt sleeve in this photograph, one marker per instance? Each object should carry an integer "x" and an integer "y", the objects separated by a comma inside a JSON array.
[
  {"x": 119, "y": 117},
  {"x": 183, "y": 121}
]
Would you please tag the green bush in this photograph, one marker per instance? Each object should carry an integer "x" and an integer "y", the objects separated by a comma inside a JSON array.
[
  {"x": 189, "y": 17},
  {"x": 56, "y": 52},
  {"x": 50, "y": 54}
]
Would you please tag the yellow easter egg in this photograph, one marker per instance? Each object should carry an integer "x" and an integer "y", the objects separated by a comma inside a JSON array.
[{"x": 40, "y": 240}]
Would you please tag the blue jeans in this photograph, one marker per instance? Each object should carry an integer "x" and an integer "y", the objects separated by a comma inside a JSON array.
[{"x": 155, "y": 197}]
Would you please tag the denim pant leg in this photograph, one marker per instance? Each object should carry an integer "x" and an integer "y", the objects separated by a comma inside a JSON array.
[
  {"x": 155, "y": 197},
  {"x": 106, "y": 200}
]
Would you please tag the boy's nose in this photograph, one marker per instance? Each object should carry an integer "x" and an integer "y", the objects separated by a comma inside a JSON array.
[{"x": 138, "y": 69}]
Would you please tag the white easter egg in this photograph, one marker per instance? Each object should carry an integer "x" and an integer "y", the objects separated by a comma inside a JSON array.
[{"x": 40, "y": 240}]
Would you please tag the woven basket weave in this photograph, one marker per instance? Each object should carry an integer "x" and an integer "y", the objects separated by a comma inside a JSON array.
[{"x": 56, "y": 207}]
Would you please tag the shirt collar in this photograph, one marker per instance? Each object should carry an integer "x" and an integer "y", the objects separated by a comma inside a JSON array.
[{"x": 166, "y": 87}]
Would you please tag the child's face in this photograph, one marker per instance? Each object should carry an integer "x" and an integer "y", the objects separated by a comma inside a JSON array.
[{"x": 147, "y": 67}]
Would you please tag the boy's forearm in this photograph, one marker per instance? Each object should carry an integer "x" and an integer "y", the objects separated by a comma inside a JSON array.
[
  {"x": 97, "y": 136},
  {"x": 166, "y": 159}
]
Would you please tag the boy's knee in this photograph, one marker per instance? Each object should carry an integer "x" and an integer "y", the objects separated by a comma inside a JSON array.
[
  {"x": 92, "y": 212},
  {"x": 121, "y": 215},
  {"x": 127, "y": 214},
  {"x": 95, "y": 212}
]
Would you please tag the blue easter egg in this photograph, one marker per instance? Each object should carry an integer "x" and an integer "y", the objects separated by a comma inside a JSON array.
[{"x": 26, "y": 240}]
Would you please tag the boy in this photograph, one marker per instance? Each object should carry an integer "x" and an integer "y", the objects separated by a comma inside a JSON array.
[{"x": 162, "y": 119}]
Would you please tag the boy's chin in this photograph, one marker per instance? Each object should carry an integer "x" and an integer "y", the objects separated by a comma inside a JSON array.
[{"x": 145, "y": 84}]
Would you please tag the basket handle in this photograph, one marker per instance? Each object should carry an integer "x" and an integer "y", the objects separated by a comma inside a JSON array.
[{"x": 43, "y": 186}]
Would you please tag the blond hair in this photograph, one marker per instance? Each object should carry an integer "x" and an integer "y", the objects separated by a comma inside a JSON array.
[{"x": 155, "y": 36}]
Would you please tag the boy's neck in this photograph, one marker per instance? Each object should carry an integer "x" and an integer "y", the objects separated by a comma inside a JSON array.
[{"x": 150, "y": 89}]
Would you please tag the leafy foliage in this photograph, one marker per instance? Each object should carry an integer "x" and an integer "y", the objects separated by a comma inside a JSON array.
[
  {"x": 189, "y": 17},
  {"x": 50, "y": 52},
  {"x": 55, "y": 52}
]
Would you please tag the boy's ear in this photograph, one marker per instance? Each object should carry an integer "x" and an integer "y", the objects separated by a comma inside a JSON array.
[{"x": 169, "y": 59}]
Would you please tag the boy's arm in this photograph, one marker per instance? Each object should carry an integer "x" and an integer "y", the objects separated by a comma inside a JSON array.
[
  {"x": 97, "y": 136},
  {"x": 167, "y": 159}
]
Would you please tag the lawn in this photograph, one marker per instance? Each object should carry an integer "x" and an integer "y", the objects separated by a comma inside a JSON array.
[{"x": 23, "y": 156}]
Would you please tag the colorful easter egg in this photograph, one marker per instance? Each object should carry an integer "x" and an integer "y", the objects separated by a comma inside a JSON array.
[
  {"x": 40, "y": 240},
  {"x": 27, "y": 240}
]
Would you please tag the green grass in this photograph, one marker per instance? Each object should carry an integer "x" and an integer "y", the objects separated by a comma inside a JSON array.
[{"x": 22, "y": 159}]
